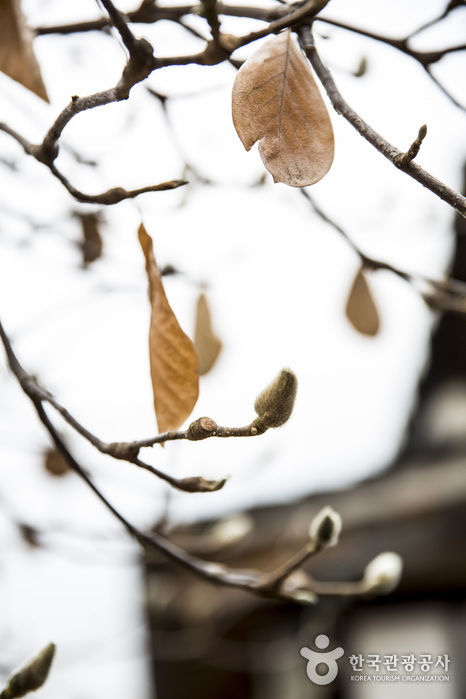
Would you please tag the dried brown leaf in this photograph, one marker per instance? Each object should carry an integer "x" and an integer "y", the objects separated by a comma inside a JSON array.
[
  {"x": 17, "y": 58},
  {"x": 91, "y": 243},
  {"x": 54, "y": 463},
  {"x": 174, "y": 365},
  {"x": 277, "y": 102},
  {"x": 361, "y": 310},
  {"x": 206, "y": 342}
]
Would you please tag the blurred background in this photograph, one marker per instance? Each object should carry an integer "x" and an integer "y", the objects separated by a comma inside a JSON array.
[{"x": 378, "y": 427}]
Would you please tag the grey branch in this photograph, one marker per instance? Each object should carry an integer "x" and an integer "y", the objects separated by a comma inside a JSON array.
[{"x": 454, "y": 199}]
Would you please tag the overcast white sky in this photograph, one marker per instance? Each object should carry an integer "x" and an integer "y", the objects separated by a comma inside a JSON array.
[{"x": 277, "y": 279}]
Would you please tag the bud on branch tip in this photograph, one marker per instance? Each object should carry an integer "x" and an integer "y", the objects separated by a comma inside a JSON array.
[
  {"x": 274, "y": 404},
  {"x": 32, "y": 675},
  {"x": 383, "y": 573},
  {"x": 326, "y": 527}
]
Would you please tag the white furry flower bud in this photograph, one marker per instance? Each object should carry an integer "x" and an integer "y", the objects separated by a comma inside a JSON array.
[
  {"x": 325, "y": 528},
  {"x": 383, "y": 573},
  {"x": 274, "y": 404}
]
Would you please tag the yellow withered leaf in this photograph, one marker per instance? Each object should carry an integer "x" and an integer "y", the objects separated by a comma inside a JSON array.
[
  {"x": 206, "y": 342},
  {"x": 361, "y": 310},
  {"x": 17, "y": 58},
  {"x": 174, "y": 365},
  {"x": 277, "y": 102}
]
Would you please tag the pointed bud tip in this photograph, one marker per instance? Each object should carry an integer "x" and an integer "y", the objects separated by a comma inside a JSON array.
[
  {"x": 325, "y": 528},
  {"x": 274, "y": 404},
  {"x": 32, "y": 675}
]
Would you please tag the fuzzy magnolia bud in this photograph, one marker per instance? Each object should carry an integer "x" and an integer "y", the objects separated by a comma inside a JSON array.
[
  {"x": 275, "y": 404},
  {"x": 383, "y": 573},
  {"x": 32, "y": 675},
  {"x": 326, "y": 527}
]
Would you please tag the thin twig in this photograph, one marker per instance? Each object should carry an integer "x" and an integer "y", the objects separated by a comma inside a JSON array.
[
  {"x": 154, "y": 13},
  {"x": 277, "y": 18},
  {"x": 454, "y": 199},
  {"x": 442, "y": 295},
  {"x": 425, "y": 58},
  {"x": 111, "y": 196},
  {"x": 200, "y": 429},
  {"x": 414, "y": 148},
  {"x": 117, "y": 20},
  {"x": 308, "y": 10},
  {"x": 452, "y": 5},
  {"x": 126, "y": 451}
]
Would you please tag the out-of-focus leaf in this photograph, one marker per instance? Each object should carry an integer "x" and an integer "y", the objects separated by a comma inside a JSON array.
[
  {"x": 17, "y": 58},
  {"x": 206, "y": 342},
  {"x": 54, "y": 463},
  {"x": 361, "y": 310},
  {"x": 277, "y": 102},
  {"x": 174, "y": 365},
  {"x": 29, "y": 534},
  {"x": 91, "y": 243},
  {"x": 361, "y": 70}
]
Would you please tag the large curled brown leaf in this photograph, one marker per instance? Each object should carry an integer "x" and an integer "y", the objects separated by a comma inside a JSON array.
[
  {"x": 277, "y": 102},
  {"x": 361, "y": 310},
  {"x": 17, "y": 59},
  {"x": 174, "y": 365},
  {"x": 206, "y": 342}
]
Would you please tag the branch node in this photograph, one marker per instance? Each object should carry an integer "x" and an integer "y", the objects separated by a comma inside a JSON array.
[
  {"x": 140, "y": 65},
  {"x": 127, "y": 451},
  {"x": 43, "y": 154},
  {"x": 257, "y": 427},
  {"x": 202, "y": 428}
]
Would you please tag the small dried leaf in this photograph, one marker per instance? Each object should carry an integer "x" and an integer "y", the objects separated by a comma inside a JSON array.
[
  {"x": 361, "y": 310},
  {"x": 17, "y": 59},
  {"x": 206, "y": 343},
  {"x": 91, "y": 244},
  {"x": 174, "y": 365},
  {"x": 361, "y": 70},
  {"x": 30, "y": 535},
  {"x": 277, "y": 102},
  {"x": 54, "y": 463}
]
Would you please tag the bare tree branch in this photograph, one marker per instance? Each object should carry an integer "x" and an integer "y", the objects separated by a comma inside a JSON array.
[
  {"x": 308, "y": 10},
  {"x": 278, "y": 19},
  {"x": 442, "y": 295},
  {"x": 150, "y": 13},
  {"x": 142, "y": 62},
  {"x": 127, "y": 451},
  {"x": 111, "y": 196},
  {"x": 276, "y": 585},
  {"x": 452, "y": 5},
  {"x": 425, "y": 58},
  {"x": 454, "y": 199}
]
